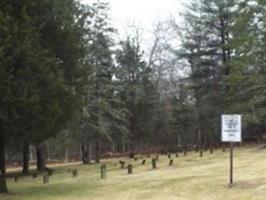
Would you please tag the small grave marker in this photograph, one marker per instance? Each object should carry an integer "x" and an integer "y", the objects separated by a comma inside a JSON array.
[
  {"x": 130, "y": 169},
  {"x": 185, "y": 151},
  {"x": 153, "y": 161},
  {"x": 16, "y": 178},
  {"x": 103, "y": 171},
  {"x": 171, "y": 162},
  {"x": 34, "y": 175},
  {"x": 122, "y": 163},
  {"x": 45, "y": 178},
  {"x": 211, "y": 148},
  {"x": 75, "y": 173},
  {"x": 50, "y": 172}
]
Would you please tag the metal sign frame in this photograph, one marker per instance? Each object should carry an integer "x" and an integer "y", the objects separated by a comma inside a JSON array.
[{"x": 231, "y": 128}]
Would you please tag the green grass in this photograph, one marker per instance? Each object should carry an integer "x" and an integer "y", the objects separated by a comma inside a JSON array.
[{"x": 191, "y": 178}]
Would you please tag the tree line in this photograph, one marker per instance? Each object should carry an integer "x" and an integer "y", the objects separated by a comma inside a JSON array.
[{"x": 65, "y": 79}]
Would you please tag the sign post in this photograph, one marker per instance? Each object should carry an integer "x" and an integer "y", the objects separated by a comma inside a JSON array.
[
  {"x": 231, "y": 162},
  {"x": 231, "y": 132}
]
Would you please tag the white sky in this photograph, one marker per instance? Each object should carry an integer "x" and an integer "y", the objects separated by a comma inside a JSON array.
[{"x": 142, "y": 13}]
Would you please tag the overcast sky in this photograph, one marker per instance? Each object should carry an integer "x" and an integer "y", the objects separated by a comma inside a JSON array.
[{"x": 143, "y": 13}]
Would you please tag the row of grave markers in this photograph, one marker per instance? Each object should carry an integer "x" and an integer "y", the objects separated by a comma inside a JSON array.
[
  {"x": 47, "y": 175},
  {"x": 103, "y": 167},
  {"x": 130, "y": 166},
  {"x": 231, "y": 132}
]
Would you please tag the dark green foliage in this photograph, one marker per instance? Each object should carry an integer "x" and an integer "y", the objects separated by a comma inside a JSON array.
[
  {"x": 206, "y": 53},
  {"x": 184, "y": 117},
  {"x": 41, "y": 57},
  {"x": 247, "y": 77},
  {"x": 62, "y": 83},
  {"x": 223, "y": 49},
  {"x": 137, "y": 91},
  {"x": 103, "y": 112}
]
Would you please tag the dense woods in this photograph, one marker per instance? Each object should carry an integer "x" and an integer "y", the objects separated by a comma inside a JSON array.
[{"x": 70, "y": 90}]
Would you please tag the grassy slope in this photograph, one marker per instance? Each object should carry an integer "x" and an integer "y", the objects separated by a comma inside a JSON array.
[{"x": 191, "y": 178}]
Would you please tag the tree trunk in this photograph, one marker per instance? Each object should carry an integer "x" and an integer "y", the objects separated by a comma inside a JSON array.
[
  {"x": 123, "y": 150},
  {"x": 199, "y": 123},
  {"x": 66, "y": 155},
  {"x": 131, "y": 149},
  {"x": 85, "y": 154},
  {"x": 31, "y": 148},
  {"x": 114, "y": 149},
  {"x": 48, "y": 152},
  {"x": 200, "y": 142},
  {"x": 26, "y": 157},
  {"x": 90, "y": 150},
  {"x": 3, "y": 186},
  {"x": 97, "y": 150},
  {"x": 41, "y": 160}
]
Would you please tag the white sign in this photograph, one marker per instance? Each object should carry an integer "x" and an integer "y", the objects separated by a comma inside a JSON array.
[{"x": 231, "y": 128}]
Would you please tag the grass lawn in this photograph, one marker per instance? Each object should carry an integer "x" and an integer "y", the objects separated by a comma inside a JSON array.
[{"x": 191, "y": 178}]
